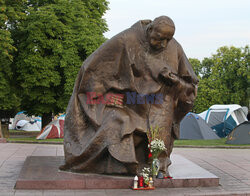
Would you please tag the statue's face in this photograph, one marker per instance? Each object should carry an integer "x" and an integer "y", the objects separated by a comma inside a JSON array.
[{"x": 159, "y": 36}]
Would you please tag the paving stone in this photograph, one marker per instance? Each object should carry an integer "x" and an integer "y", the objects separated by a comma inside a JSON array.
[
  {"x": 28, "y": 193},
  {"x": 58, "y": 193},
  {"x": 231, "y": 165},
  {"x": 7, "y": 192},
  {"x": 90, "y": 192}
]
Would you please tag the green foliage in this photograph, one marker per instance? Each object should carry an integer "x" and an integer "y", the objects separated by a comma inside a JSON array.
[
  {"x": 196, "y": 64},
  {"x": 153, "y": 133},
  {"x": 52, "y": 42},
  {"x": 224, "y": 78},
  {"x": 10, "y": 12}
]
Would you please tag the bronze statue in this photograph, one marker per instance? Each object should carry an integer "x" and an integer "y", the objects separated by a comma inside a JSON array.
[{"x": 145, "y": 68}]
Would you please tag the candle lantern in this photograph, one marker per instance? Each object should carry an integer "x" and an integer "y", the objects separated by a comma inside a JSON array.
[
  {"x": 151, "y": 183},
  {"x": 135, "y": 182},
  {"x": 141, "y": 182}
]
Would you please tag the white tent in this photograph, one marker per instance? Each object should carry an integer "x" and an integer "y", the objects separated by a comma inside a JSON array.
[
  {"x": 11, "y": 123},
  {"x": 20, "y": 124},
  {"x": 223, "y": 118},
  {"x": 31, "y": 119},
  {"x": 19, "y": 116},
  {"x": 53, "y": 130},
  {"x": 28, "y": 125}
]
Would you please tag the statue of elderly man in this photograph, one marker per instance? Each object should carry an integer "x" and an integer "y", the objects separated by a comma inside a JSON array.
[{"x": 107, "y": 137}]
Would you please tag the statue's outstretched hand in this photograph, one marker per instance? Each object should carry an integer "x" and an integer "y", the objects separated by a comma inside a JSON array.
[{"x": 169, "y": 77}]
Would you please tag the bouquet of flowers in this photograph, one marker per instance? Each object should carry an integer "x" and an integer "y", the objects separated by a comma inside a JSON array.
[
  {"x": 156, "y": 146},
  {"x": 145, "y": 174}
]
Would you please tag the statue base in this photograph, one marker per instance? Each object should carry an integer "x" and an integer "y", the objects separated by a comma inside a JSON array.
[{"x": 41, "y": 172}]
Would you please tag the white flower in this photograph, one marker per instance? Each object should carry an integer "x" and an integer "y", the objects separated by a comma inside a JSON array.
[
  {"x": 145, "y": 173},
  {"x": 157, "y": 145}
]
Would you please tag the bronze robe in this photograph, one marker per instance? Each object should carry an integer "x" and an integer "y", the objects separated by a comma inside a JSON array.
[{"x": 103, "y": 139}]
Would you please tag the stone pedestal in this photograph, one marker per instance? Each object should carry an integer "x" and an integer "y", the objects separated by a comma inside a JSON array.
[{"x": 43, "y": 173}]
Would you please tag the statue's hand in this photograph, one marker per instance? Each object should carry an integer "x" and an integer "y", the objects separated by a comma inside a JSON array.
[
  {"x": 169, "y": 77},
  {"x": 188, "y": 94},
  {"x": 174, "y": 78}
]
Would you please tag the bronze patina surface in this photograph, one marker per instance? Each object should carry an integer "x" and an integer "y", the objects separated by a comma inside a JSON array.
[{"x": 107, "y": 138}]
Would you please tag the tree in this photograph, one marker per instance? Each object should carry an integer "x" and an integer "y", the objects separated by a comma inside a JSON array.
[
  {"x": 55, "y": 38},
  {"x": 10, "y": 12},
  {"x": 224, "y": 78},
  {"x": 196, "y": 64}
]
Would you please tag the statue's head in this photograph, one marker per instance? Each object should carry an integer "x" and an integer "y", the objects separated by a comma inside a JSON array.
[{"x": 160, "y": 32}]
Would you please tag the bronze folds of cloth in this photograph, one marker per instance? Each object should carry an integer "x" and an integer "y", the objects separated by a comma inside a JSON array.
[{"x": 109, "y": 137}]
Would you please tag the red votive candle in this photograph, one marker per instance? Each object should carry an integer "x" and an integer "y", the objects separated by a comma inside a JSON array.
[{"x": 140, "y": 181}]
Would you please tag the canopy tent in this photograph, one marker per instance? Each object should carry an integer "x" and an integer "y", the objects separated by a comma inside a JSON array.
[
  {"x": 240, "y": 134},
  {"x": 193, "y": 127},
  {"x": 53, "y": 130},
  {"x": 224, "y": 118}
]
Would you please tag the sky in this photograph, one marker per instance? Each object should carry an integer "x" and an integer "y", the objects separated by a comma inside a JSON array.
[{"x": 202, "y": 26}]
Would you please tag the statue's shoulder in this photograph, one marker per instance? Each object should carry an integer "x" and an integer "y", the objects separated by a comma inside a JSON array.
[
  {"x": 141, "y": 23},
  {"x": 129, "y": 36},
  {"x": 175, "y": 44},
  {"x": 121, "y": 38},
  {"x": 135, "y": 35}
]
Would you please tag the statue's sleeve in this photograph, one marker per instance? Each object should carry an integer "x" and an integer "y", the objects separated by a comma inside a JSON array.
[
  {"x": 185, "y": 70},
  {"x": 187, "y": 89},
  {"x": 106, "y": 70}
]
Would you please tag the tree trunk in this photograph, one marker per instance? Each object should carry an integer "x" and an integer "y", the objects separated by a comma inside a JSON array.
[
  {"x": 1, "y": 134},
  {"x": 46, "y": 119}
]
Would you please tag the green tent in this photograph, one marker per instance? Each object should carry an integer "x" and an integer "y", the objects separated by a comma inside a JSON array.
[{"x": 240, "y": 134}]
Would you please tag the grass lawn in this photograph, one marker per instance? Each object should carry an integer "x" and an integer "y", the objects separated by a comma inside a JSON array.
[
  {"x": 33, "y": 139},
  {"x": 219, "y": 142},
  {"x": 13, "y": 131},
  {"x": 28, "y": 137},
  {"x": 21, "y": 132}
]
